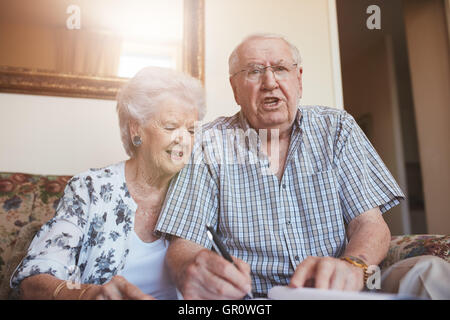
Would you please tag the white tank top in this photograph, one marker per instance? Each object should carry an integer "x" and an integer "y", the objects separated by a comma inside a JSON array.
[{"x": 146, "y": 268}]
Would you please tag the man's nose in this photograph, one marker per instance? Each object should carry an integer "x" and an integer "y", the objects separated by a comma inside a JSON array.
[{"x": 269, "y": 82}]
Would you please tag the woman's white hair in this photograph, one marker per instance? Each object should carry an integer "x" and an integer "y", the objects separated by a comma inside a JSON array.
[
  {"x": 143, "y": 94},
  {"x": 233, "y": 60}
]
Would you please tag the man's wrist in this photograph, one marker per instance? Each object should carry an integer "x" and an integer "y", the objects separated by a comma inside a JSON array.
[{"x": 357, "y": 262}]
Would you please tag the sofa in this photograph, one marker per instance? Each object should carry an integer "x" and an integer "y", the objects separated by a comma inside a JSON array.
[{"x": 27, "y": 201}]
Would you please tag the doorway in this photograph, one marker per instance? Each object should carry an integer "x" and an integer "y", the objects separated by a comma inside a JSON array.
[{"x": 378, "y": 94}]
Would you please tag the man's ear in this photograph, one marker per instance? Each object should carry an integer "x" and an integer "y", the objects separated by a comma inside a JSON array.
[{"x": 235, "y": 90}]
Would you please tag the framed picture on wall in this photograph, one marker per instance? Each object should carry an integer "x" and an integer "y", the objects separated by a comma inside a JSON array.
[{"x": 85, "y": 48}]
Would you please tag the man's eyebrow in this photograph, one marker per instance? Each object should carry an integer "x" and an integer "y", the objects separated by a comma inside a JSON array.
[
  {"x": 282, "y": 62},
  {"x": 254, "y": 65},
  {"x": 279, "y": 62}
]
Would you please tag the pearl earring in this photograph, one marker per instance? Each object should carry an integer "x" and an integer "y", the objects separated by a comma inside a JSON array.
[{"x": 137, "y": 141}]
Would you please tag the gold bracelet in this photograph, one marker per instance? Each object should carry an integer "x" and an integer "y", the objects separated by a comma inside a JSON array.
[
  {"x": 358, "y": 263},
  {"x": 84, "y": 290},
  {"x": 59, "y": 288}
]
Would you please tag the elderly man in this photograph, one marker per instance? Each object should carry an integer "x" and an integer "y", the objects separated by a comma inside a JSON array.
[{"x": 299, "y": 203}]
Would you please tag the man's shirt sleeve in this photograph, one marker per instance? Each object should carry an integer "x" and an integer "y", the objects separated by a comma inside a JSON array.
[
  {"x": 191, "y": 202},
  {"x": 363, "y": 179}
]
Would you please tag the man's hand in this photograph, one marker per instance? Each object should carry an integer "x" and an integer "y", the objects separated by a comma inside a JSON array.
[
  {"x": 327, "y": 273},
  {"x": 369, "y": 239},
  {"x": 209, "y": 276}
]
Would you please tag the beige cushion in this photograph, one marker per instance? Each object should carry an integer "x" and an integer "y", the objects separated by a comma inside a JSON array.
[{"x": 421, "y": 276}]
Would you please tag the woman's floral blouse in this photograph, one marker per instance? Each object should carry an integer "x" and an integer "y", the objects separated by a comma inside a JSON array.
[{"x": 87, "y": 239}]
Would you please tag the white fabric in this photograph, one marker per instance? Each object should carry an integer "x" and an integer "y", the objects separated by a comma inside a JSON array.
[
  {"x": 145, "y": 267},
  {"x": 426, "y": 277}
]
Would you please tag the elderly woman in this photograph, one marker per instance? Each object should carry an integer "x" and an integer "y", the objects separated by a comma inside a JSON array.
[{"x": 100, "y": 244}]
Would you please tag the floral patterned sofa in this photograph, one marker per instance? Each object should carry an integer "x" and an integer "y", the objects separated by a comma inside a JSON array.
[{"x": 27, "y": 201}]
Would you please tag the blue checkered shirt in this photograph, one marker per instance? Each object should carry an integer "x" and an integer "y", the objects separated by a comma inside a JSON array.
[{"x": 332, "y": 174}]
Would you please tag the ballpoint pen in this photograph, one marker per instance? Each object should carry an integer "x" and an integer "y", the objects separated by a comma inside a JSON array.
[{"x": 220, "y": 249}]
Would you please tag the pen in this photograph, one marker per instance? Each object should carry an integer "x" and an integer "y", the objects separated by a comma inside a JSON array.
[{"x": 220, "y": 249}]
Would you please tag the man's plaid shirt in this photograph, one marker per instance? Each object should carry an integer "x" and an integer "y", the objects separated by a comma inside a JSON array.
[{"x": 332, "y": 174}]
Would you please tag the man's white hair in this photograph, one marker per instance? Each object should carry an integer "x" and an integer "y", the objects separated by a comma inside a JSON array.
[
  {"x": 233, "y": 60},
  {"x": 146, "y": 92}
]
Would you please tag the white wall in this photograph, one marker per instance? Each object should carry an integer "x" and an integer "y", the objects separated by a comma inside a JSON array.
[
  {"x": 40, "y": 134},
  {"x": 304, "y": 22},
  {"x": 57, "y": 135}
]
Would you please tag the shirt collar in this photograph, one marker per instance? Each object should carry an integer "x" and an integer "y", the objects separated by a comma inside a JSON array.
[
  {"x": 245, "y": 125},
  {"x": 298, "y": 118},
  {"x": 243, "y": 121}
]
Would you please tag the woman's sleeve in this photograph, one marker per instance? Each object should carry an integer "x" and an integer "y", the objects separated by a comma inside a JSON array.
[{"x": 56, "y": 246}]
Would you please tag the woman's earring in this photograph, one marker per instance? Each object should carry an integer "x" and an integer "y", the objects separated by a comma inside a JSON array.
[{"x": 137, "y": 141}]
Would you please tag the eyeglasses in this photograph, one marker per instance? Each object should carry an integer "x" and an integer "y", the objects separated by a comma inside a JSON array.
[{"x": 255, "y": 73}]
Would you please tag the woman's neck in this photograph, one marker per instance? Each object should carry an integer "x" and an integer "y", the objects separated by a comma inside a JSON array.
[{"x": 145, "y": 179}]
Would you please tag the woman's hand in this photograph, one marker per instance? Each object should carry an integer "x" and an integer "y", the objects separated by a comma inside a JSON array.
[{"x": 118, "y": 288}]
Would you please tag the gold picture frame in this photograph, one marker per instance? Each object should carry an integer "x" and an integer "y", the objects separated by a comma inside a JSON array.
[{"x": 43, "y": 82}]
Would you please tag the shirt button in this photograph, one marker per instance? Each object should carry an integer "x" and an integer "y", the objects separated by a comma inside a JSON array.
[
  {"x": 288, "y": 222},
  {"x": 296, "y": 258},
  {"x": 284, "y": 186}
]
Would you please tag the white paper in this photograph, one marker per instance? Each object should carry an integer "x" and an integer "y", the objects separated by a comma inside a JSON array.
[{"x": 287, "y": 293}]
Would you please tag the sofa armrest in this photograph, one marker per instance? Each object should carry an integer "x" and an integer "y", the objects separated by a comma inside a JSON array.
[{"x": 408, "y": 246}]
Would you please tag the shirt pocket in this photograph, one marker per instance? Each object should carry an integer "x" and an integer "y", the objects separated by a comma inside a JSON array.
[
  {"x": 248, "y": 211},
  {"x": 320, "y": 213}
]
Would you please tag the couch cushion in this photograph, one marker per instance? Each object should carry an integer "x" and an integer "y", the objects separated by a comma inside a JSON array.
[
  {"x": 420, "y": 276},
  {"x": 408, "y": 246},
  {"x": 48, "y": 192},
  {"x": 25, "y": 198},
  {"x": 19, "y": 251},
  {"x": 16, "y": 201}
]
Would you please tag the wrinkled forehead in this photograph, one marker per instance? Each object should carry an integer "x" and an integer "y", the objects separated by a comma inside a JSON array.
[
  {"x": 175, "y": 110},
  {"x": 262, "y": 50}
]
